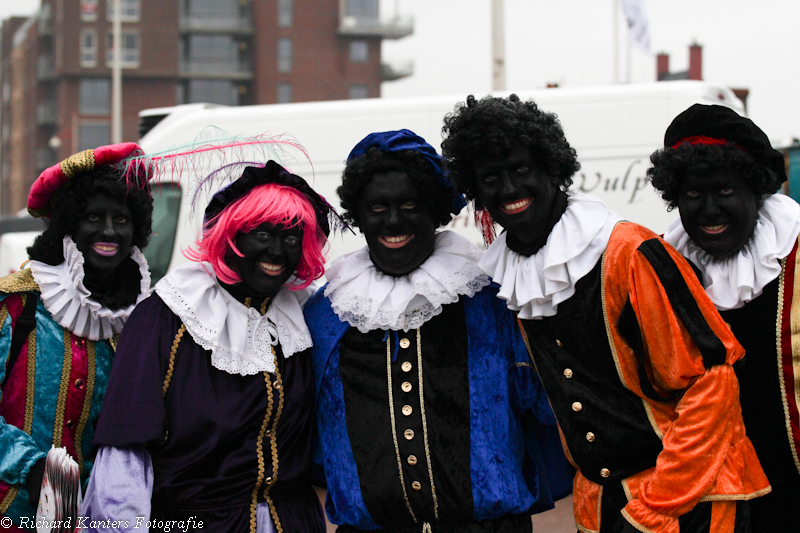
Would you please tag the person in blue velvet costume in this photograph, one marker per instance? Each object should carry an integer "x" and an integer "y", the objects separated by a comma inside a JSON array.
[{"x": 430, "y": 415}]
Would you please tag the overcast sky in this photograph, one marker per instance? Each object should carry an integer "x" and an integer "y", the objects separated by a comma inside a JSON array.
[{"x": 745, "y": 43}]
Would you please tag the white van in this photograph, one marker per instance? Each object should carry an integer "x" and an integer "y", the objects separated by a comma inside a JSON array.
[{"x": 614, "y": 129}]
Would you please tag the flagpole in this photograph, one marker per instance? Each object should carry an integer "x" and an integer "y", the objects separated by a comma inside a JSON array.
[
  {"x": 615, "y": 26},
  {"x": 498, "y": 46}
]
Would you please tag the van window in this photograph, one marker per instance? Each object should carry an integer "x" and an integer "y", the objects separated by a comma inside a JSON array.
[{"x": 166, "y": 207}]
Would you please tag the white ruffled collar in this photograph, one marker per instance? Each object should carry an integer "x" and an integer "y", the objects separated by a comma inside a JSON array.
[
  {"x": 70, "y": 302},
  {"x": 733, "y": 281},
  {"x": 239, "y": 338},
  {"x": 535, "y": 285},
  {"x": 367, "y": 299}
]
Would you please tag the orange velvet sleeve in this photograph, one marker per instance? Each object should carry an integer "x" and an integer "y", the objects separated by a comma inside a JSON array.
[{"x": 706, "y": 421}]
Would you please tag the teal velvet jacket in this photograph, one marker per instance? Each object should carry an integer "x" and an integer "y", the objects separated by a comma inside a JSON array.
[{"x": 51, "y": 397}]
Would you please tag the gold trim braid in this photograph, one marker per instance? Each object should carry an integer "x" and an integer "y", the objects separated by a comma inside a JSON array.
[
  {"x": 260, "y": 455},
  {"x": 394, "y": 427},
  {"x": 66, "y": 369},
  {"x": 77, "y": 163},
  {"x": 172, "y": 352},
  {"x": 19, "y": 281},
  {"x": 779, "y": 349},
  {"x": 87, "y": 402},
  {"x": 425, "y": 425}
]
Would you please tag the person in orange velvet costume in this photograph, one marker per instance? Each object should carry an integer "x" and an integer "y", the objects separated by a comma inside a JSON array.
[{"x": 634, "y": 357}]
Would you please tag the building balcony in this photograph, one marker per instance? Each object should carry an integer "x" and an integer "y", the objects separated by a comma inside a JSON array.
[
  {"x": 45, "y": 24},
  {"x": 394, "y": 28},
  {"x": 46, "y": 114},
  {"x": 45, "y": 68},
  {"x": 234, "y": 25},
  {"x": 396, "y": 71},
  {"x": 227, "y": 70}
]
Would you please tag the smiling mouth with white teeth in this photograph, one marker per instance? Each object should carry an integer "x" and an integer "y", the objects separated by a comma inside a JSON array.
[
  {"x": 395, "y": 241},
  {"x": 106, "y": 249},
  {"x": 271, "y": 269},
  {"x": 713, "y": 230},
  {"x": 517, "y": 206}
]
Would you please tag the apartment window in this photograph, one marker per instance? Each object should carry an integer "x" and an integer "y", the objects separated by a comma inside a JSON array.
[
  {"x": 94, "y": 96},
  {"x": 93, "y": 134},
  {"x": 359, "y": 51},
  {"x": 285, "y": 13},
  {"x": 89, "y": 10},
  {"x": 88, "y": 48},
  {"x": 129, "y": 10},
  {"x": 358, "y": 90},
  {"x": 284, "y": 55},
  {"x": 130, "y": 49},
  {"x": 213, "y": 91},
  {"x": 363, "y": 9},
  {"x": 284, "y": 92},
  {"x": 213, "y": 52},
  {"x": 213, "y": 8}
]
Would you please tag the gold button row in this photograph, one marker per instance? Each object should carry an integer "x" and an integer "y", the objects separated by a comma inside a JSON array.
[
  {"x": 412, "y": 460},
  {"x": 416, "y": 485},
  {"x": 590, "y": 437},
  {"x": 577, "y": 406},
  {"x": 406, "y": 386},
  {"x": 406, "y": 367},
  {"x": 605, "y": 472},
  {"x": 407, "y": 410},
  {"x": 408, "y": 434},
  {"x": 405, "y": 343},
  {"x": 568, "y": 373},
  {"x": 558, "y": 343}
]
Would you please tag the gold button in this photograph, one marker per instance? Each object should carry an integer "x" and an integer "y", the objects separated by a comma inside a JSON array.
[
  {"x": 70, "y": 423},
  {"x": 590, "y": 436},
  {"x": 729, "y": 326},
  {"x": 268, "y": 480},
  {"x": 405, "y": 343},
  {"x": 416, "y": 485},
  {"x": 406, "y": 386},
  {"x": 577, "y": 407},
  {"x": 605, "y": 472},
  {"x": 406, "y": 367},
  {"x": 558, "y": 343},
  {"x": 567, "y": 373},
  {"x": 412, "y": 459},
  {"x": 408, "y": 434},
  {"x": 79, "y": 383},
  {"x": 278, "y": 386},
  {"x": 407, "y": 410}
]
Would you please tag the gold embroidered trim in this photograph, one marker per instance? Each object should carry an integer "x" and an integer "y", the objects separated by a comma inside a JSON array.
[
  {"x": 87, "y": 402},
  {"x": 779, "y": 348},
  {"x": 634, "y": 523},
  {"x": 652, "y": 419},
  {"x": 3, "y": 316},
  {"x": 260, "y": 455},
  {"x": 736, "y": 497},
  {"x": 264, "y": 306},
  {"x": 524, "y": 364},
  {"x": 394, "y": 428},
  {"x": 113, "y": 341},
  {"x": 795, "y": 325},
  {"x": 585, "y": 529},
  {"x": 19, "y": 281},
  {"x": 172, "y": 352},
  {"x": 627, "y": 490},
  {"x": 600, "y": 503},
  {"x": 77, "y": 163},
  {"x": 614, "y": 353},
  {"x": 58, "y": 428},
  {"x": 425, "y": 425},
  {"x": 10, "y": 497},
  {"x": 273, "y": 438}
]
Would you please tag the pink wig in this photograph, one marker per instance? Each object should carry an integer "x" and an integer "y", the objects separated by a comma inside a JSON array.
[{"x": 269, "y": 203}]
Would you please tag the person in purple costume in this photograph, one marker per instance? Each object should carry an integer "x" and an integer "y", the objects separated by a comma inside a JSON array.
[{"x": 208, "y": 419}]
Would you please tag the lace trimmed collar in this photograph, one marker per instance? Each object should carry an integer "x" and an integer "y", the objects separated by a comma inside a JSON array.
[
  {"x": 240, "y": 339},
  {"x": 733, "y": 281},
  {"x": 535, "y": 285},
  {"x": 69, "y": 301},
  {"x": 367, "y": 299}
]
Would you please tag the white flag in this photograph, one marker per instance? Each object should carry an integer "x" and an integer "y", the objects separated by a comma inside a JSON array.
[{"x": 638, "y": 24}]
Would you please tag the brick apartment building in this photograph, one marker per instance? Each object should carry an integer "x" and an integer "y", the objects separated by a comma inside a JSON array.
[{"x": 55, "y": 67}]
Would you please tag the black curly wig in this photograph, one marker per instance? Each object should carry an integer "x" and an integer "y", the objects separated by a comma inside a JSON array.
[
  {"x": 492, "y": 127},
  {"x": 670, "y": 166},
  {"x": 359, "y": 172},
  {"x": 70, "y": 201}
]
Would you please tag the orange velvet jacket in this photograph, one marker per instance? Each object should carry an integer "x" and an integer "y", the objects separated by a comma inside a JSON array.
[{"x": 706, "y": 455}]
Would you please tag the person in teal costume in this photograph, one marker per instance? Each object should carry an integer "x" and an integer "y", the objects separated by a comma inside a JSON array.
[{"x": 85, "y": 276}]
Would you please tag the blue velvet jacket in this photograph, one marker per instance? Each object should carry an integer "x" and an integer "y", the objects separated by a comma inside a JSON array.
[{"x": 511, "y": 461}]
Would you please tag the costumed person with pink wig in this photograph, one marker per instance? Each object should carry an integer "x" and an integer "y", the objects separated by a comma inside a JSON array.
[
  {"x": 60, "y": 317},
  {"x": 208, "y": 417}
]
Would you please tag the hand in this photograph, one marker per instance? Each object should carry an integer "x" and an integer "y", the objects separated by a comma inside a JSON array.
[{"x": 35, "y": 476}]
